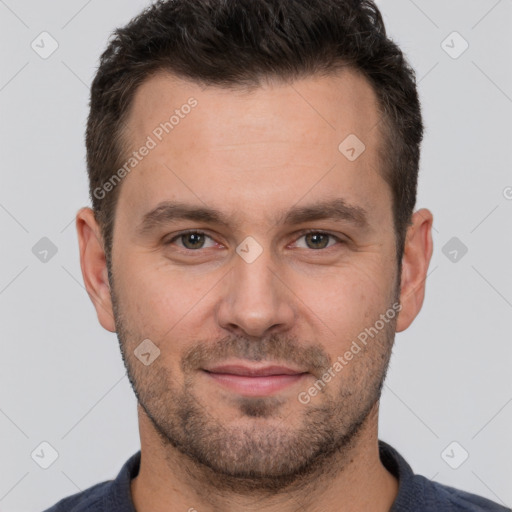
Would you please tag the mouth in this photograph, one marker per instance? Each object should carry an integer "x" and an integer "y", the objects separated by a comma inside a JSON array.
[{"x": 255, "y": 380}]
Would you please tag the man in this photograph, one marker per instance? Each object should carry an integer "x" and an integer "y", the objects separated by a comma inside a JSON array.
[{"x": 252, "y": 242}]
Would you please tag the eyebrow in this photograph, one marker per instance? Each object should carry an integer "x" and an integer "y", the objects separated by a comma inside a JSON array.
[{"x": 335, "y": 209}]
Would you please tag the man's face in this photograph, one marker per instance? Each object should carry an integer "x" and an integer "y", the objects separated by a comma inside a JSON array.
[{"x": 297, "y": 293}]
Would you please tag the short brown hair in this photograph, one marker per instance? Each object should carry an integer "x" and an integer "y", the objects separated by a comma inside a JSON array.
[{"x": 232, "y": 43}]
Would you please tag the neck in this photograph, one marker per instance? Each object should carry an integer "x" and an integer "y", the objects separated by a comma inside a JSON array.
[{"x": 353, "y": 479}]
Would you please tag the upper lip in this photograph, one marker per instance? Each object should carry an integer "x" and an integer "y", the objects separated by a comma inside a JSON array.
[{"x": 252, "y": 371}]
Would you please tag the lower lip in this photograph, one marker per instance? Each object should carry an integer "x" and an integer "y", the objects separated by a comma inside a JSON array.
[{"x": 255, "y": 386}]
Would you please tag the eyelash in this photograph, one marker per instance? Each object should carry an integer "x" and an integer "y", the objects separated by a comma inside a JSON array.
[{"x": 301, "y": 234}]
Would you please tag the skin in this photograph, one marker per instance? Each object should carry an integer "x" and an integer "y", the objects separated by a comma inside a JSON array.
[{"x": 253, "y": 155}]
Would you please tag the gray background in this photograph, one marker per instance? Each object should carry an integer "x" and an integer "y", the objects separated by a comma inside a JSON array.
[{"x": 62, "y": 378}]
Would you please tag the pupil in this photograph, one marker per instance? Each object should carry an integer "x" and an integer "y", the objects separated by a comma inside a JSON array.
[
  {"x": 193, "y": 240},
  {"x": 316, "y": 239}
]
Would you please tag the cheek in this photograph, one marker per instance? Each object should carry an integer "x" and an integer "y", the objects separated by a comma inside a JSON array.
[
  {"x": 344, "y": 301},
  {"x": 157, "y": 302}
]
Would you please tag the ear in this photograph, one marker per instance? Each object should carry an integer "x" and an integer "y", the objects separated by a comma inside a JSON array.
[
  {"x": 415, "y": 262},
  {"x": 94, "y": 266}
]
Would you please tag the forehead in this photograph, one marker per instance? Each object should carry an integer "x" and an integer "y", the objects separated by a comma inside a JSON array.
[
  {"x": 311, "y": 107},
  {"x": 258, "y": 148}
]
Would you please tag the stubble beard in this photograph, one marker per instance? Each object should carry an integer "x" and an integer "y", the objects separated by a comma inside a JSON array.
[{"x": 262, "y": 455}]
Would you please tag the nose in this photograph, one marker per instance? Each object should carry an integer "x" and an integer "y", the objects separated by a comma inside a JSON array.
[{"x": 256, "y": 301}]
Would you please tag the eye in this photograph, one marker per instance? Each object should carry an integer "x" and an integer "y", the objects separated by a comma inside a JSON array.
[
  {"x": 317, "y": 240},
  {"x": 195, "y": 240},
  {"x": 192, "y": 240}
]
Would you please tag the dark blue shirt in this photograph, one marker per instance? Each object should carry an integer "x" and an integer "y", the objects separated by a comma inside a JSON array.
[{"x": 415, "y": 494}]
